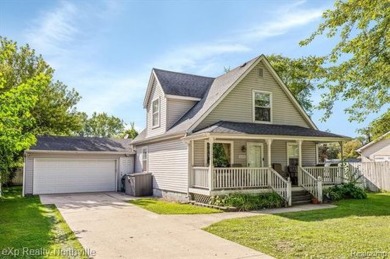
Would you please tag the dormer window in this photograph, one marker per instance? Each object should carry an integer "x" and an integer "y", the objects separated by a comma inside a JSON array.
[
  {"x": 262, "y": 106},
  {"x": 156, "y": 113}
]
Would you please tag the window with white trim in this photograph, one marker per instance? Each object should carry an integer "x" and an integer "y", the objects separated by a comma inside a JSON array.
[
  {"x": 145, "y": 159},
  {"x": 156, "y": 113},
  {"x": 262, "y": 102}
]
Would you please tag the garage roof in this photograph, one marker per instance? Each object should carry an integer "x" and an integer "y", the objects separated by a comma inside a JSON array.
[{"x": 60, "y": 143}]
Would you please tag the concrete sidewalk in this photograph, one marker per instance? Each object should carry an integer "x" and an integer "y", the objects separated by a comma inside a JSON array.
[{"x": 109, "y": 225}]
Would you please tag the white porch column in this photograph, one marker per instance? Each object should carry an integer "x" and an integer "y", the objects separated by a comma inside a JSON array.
[
  {"x": 269, "y": 144},
  {"x": 299, "y": 162},
  {"x": 211, "y": 163},
  {"x": 341, "y": 175}
]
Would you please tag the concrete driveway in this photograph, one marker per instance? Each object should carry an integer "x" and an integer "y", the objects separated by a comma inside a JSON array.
[{"x": 108, "y": 224}]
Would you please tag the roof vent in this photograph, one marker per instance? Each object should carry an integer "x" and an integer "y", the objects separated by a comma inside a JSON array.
[
  {"x": 243, "y": 65},
  {"x": 261, "y": 72}
]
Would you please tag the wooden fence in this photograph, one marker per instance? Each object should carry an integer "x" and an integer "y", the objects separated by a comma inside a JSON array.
[{"x": 375, "y": 175}]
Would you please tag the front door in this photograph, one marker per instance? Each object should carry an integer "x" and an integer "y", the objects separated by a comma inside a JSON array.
[{"x": 255, "y": 155}]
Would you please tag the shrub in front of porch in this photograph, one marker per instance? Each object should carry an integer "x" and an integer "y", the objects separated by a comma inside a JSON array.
[
  {"x": 245, "y": 202},
  {"x": 345, "y": 191}
]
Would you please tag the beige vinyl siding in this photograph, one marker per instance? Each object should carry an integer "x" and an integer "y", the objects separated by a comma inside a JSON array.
[
  {"x": 380, "y": 148},
  {"x": 176, "y": 108},
  {"x": 308, "y": 153},
  {"x": 238, "y": 104},
  {"x": 168, "y": 162},
  {"x": 278, "y": 152},
  {"x": 29, "y": 164},
  {"x": 161, "y": 129},
  {"x": 199, "y": 152}
]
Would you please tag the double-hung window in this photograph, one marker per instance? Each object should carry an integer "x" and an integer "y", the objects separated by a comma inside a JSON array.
[
  {"x": 145, "y": 159},
  {"x": 262, "y": 106},
  {"x": 156, "y": 113}
]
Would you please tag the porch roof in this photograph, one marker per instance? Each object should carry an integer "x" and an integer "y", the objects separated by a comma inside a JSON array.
[{"x": 230, "y": 127}]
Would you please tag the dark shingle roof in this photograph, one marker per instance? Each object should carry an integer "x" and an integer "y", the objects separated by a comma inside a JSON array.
[
  {"x": 59, "y": 143},
  {"x": 219, "y": 86},
  {"x": 230, "y": 127},
  {"x": 181, "y": 84}
]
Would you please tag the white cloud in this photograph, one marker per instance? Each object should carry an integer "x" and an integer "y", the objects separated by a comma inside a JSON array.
[
  {"x": 69, "y": 37},
  {"x": 54, "y": 30}
]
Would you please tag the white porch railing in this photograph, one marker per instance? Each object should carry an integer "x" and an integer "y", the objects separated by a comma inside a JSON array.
[
  {"x": 239, "y": 177},
  {"x": 310, "y": 184},
  {"x": 280, "y": 185},
  {"x": 329, "y": 174},
  {"x": 200, "y": 177}
]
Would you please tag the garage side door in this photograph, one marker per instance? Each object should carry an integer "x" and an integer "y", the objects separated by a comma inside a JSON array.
[{"x": 73, "y": 175}]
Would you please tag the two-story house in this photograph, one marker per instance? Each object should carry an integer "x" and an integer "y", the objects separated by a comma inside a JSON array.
[{"x": 258, "y": 136}]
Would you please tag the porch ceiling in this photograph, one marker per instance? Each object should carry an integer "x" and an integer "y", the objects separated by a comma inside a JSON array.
[{"x": 249, "y": 129}]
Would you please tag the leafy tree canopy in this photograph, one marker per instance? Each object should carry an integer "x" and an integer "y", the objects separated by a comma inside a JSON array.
[
  {"x": 349, "y": 148},
  {"x": 377, "y": 127},
  {"x": 358, "y": 66},
  {"x": 101, "y": 125},
  {"x": 54, "y": 111},
  {"x": 130, "y": 133},
  {"x": 300, "y": 76}
]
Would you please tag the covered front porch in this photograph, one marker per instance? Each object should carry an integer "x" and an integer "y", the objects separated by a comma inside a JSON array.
[{"x": 259, "y": 163}]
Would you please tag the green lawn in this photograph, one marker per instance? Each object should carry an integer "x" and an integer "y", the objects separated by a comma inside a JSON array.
[
  {"x": 354, "y": 226},
  {"x": 165, "y": 207},
  {"x": 29, "y": 228}
]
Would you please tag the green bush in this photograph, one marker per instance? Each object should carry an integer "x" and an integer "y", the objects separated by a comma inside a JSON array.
[
  {"x": 245, "y": 202},
  {"x": 345, "y": 191}
]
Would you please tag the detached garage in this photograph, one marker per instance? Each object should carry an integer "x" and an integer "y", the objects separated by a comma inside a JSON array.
[{"x": 76, "y": 164}]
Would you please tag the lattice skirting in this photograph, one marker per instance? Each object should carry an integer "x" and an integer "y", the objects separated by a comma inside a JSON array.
[{"x": 205, "y": 199}]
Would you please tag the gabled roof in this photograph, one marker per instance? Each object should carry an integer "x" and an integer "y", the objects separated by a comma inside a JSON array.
[
  {"x": 384, "y": 136},
  {"x": 178, "y": 84},
  {"x": 229, "y": 127},
  {"x": 60, "y": 143},
  {"x": 174, "y": 83},
  {"x": 216, "y": 92}
]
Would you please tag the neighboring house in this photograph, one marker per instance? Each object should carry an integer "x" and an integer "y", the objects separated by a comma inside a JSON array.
[
  {"x": 257, "y": 129},
  {"x": 377, "y": 150},
  {"x": 76, "y": 164}
]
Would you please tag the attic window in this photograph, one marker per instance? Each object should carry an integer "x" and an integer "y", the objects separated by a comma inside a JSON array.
[
  {"x": 261, "y": 72},
  {"x": 262, "y": 107},
  {"x": 156, "y": 113}
]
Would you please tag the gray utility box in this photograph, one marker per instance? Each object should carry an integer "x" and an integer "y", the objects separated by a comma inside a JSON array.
[{"x": 140, "y": 184}]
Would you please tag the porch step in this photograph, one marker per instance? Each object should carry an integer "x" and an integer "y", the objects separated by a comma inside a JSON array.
[{"x": 300, "y": 197}]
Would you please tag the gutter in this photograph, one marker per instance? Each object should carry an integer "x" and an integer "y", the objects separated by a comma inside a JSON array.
[{"x": 79, "y": 152}]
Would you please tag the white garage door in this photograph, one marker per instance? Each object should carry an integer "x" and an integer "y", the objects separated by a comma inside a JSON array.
[{"x": 73, "y": 175}]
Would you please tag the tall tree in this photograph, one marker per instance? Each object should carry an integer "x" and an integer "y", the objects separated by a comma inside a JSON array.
[
  {"x": 54, "y": 111},
  {"x": 101, "y": 125},
  {"x": 31, "y": 103},
  {"x": 15, "y": 116},
  {"x": 300, "y": 76},
  {"x": 358, "y": 67}
]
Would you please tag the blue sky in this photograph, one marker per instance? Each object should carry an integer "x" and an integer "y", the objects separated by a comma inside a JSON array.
[{"x": 106, "y": 49}]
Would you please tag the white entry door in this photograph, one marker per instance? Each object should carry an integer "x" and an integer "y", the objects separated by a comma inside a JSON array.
[{"x": 255, "y": 155}]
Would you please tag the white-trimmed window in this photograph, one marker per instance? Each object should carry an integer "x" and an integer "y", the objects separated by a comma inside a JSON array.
[
  {"x": 145, "y": 159},
  {"x": 156, "y": 113},
  {"x": 262, "y": 106}
]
